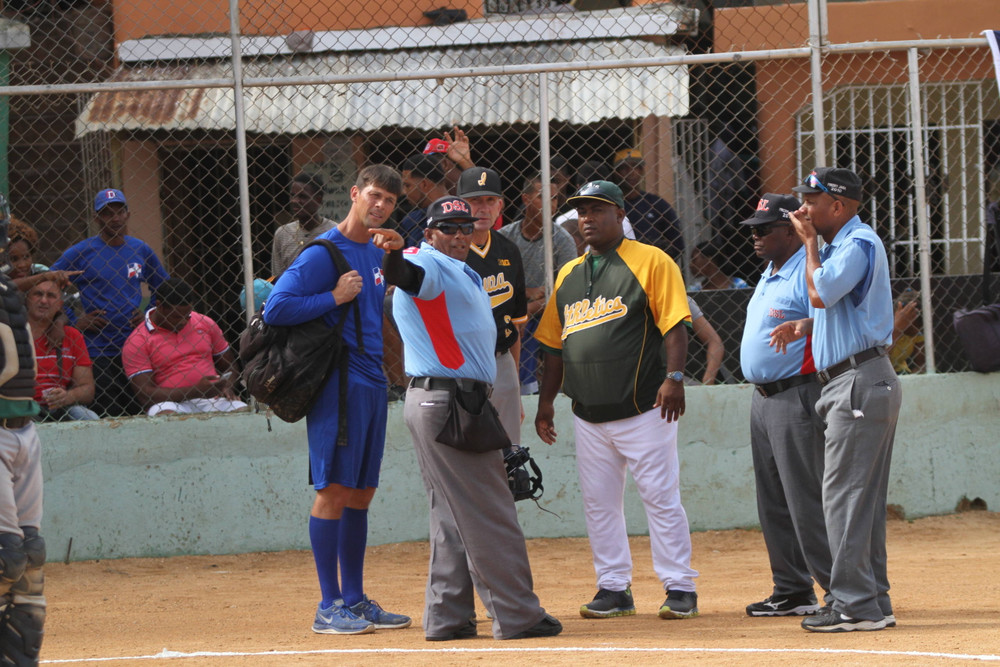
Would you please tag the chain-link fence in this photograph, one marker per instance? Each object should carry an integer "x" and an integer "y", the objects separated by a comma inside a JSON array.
[{"x": 223, "y": 123}]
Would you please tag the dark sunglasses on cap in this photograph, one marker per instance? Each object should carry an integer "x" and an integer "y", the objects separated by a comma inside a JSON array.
[
  {"x": 814, "y": 182},
  {"x": 452, "y": 228},
  {"x": 760, "y": 231}
]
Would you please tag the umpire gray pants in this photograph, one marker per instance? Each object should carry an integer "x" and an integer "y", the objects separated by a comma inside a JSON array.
[
  {"x": 860, "y": 408},
  {"x": 506, "y": 396},
  {"x": 786, "y": 440},
  {"x": 476, "y": 541}
]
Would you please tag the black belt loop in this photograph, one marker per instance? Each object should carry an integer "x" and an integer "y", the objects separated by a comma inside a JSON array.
[
  {"x": 850, "y": 362},
  {"x": 772, "y": 388}
]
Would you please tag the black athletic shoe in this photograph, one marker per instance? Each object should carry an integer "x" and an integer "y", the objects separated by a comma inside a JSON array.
[
  {"x": 467, "y": 631},
  {"x": 828, "y": 620},
  {"x": 547, "y": 627},
  {"x": 607, "y": 604},
  {"x": 798, "y": 604},
  {"x": 679, "y": 604}
]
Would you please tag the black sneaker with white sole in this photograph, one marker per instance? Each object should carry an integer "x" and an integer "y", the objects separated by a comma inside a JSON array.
[
  {"x": 798, "y": 604},
  {"x": 679, "y": 604},
  {"x": 608, "y": 604},
  {"x": 829, "y": 620}
]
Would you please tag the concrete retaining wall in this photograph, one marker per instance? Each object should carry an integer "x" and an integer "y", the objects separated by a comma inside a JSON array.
[{"x": 226, "y": 484}]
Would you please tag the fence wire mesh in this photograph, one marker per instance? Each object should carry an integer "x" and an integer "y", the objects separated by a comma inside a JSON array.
[{"x": 694, "y": 109}]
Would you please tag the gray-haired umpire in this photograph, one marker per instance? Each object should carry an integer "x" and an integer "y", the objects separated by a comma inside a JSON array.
[
  {"x": 22, "y": 550},
  {"x": 786, "y": 433}
]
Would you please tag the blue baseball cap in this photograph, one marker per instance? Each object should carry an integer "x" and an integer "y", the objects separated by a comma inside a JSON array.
[{"x": 109, "y": 196}]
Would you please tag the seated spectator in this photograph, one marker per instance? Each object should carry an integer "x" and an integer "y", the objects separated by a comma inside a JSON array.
[
  {"x": 64, "y": 381},
  {"x": 177, "y": 361},
  {"x": 708, "y": 266}
]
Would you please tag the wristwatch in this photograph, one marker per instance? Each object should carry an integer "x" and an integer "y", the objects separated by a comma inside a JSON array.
[{"x": 676, "y": 376}]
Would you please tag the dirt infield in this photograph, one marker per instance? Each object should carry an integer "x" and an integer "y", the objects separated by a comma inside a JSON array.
[{"x": 256, "y": 609}]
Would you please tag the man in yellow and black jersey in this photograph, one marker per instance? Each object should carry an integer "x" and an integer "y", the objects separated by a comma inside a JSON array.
[
  {"x": 498, "y": 260},
  {"x": 612, "y": 313}
]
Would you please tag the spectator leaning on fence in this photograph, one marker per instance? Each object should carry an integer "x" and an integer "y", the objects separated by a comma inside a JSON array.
[
  {"x": 113, "y": 268},
  {"x": 177, "y": 360},
  {"x": 64, "y": 381},
  {"x": 306, "y": 197}
]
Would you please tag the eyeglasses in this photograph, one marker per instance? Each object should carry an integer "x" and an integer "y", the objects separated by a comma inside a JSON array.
[
  {"x": 760, "y": 231},
  {"x": 814, "y": 182},
  {"x": 452, "y": 228}
]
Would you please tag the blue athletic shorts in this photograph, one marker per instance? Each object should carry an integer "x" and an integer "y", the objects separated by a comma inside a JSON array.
[{"x": 358, "y": 464}]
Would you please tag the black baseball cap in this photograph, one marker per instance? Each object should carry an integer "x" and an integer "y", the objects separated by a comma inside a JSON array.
[
  {"x": 604, "y": 191},
  {"x": 773, "y": 208},
  {"x": 449, "y": 209},
  {"x": 479, "y": 182},
  {"x": 833, "y": 181}
]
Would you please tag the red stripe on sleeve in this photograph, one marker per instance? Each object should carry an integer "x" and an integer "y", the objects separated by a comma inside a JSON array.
[{"x": 434, "y": 313}]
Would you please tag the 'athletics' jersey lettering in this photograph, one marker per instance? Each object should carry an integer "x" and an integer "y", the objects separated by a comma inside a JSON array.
[{"x": 584, "y": 315}]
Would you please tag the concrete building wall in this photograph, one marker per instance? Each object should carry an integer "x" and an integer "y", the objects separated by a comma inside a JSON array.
[{"x": 226, "y": 484}]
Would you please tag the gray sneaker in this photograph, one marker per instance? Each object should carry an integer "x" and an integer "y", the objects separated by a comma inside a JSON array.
[
  {"x": 607, "y": 604},
  {"x": 372, "y": 612},
  {"x": 680, "y": 604},
  {"x": 339, "y": 620}
]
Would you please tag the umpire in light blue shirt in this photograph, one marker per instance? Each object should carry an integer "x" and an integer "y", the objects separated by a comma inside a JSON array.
[
  {"x": 851, "y": 307},
  {"x": 786, "y": 434}
]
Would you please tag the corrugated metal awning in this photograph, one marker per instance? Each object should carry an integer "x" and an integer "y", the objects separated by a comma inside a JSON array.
[{"x": 578, "y": 96}]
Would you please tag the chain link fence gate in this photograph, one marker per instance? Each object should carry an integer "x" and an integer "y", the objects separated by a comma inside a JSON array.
[{"x": 203, "y": 113}]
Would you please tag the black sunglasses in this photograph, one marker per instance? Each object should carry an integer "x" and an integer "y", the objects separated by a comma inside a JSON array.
[
  {"x": 452, "y": 228},
  {"x": 760, "y": 231}
]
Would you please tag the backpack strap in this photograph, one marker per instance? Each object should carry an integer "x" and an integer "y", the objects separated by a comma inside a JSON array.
[{"x": 340, "y": 262}]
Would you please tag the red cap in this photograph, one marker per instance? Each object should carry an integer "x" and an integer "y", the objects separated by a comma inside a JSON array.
[{"x": 436, "y": 146}]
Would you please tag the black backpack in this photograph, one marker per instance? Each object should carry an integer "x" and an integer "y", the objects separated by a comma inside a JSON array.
[{"x": 285, "y": 367}]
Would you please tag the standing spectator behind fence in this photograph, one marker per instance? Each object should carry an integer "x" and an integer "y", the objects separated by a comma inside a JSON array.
[
  {"x": 64, "y": 380},
  {"x": 423, "y": 182},
  {"x": 527, "y": 236},
  {"x": 306, "y": 198},
  {"x": 653, "y": 219},
  {"x": 113, "y": 268},
  {"x": 177, "y": 360}
]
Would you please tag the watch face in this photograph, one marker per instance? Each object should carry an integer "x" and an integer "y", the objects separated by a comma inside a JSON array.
[{"x": 676, "y": 376}]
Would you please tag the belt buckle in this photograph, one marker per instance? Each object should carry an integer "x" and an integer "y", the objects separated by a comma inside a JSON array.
[
  {"x": 823, "y": 376},
  {"x": 760, "y": 390}
]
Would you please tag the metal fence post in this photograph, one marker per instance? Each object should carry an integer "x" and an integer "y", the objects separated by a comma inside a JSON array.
[
  {"x": 546, "y": 171},
  {"x": 920, "y": 194},
  {"x": 817, "y": 40},
  {"x": 241, "y": 154}
]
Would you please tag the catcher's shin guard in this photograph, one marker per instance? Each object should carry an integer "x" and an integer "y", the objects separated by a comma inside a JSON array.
[{"x": 22, "y": 610}]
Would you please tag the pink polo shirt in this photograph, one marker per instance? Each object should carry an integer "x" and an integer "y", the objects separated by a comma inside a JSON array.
[{"x": 175, "y": 359}]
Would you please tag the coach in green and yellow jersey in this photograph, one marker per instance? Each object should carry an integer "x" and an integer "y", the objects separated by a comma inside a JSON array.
[{"x": 613, "y": 311}]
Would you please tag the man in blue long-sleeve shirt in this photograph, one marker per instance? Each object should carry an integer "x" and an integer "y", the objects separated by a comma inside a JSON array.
[{"x": 345, "y": 477}]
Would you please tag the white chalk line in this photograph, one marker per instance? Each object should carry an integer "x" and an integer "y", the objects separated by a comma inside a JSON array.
[{"x": 166, "y": 654}]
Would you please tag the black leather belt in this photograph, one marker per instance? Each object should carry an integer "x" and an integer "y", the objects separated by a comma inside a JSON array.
[
  {"x": 824, "y": 376},
  {"x": 432, "y": 384},
  {"x": 772, "y": 388},
  {"x": 14, "y": 423}
]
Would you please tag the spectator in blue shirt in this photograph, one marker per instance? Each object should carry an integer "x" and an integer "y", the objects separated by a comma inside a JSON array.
[{"x": 113, "y": 266}]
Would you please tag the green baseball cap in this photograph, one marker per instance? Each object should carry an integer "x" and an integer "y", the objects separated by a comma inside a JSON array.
[{"x": 605, "y": 191}]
